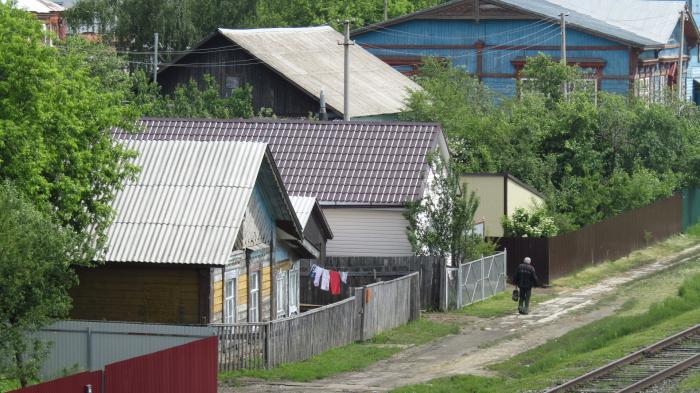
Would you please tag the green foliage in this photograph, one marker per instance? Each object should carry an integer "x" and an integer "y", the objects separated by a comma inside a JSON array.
[
  {"x": 55, "y": 117},
  {"x": 593, "y": 156},
  {"x": 182, "y": 23},
  {"x": 524, "y": 223},
  {"x": 35, "y": 275},
  {"x": 442, "y": 223},
  {"x": 190, "y": 101}
]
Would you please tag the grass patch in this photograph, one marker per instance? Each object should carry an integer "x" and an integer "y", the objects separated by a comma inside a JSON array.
[
  {"x": 350, "y": 357},
  {"x": 595, "y": 274},
  {"x": 463, "y": 384},
  {"x": 690, "y": 384},
  {"x": 8, "y": 384},
  {"x": 501, "y": 304},
  {"x": 586, "y": 348}
]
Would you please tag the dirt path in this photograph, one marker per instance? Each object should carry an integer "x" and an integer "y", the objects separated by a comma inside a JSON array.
[{"x": 481, "y": 342}]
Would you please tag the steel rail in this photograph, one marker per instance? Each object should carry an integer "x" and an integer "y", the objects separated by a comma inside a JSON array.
[
  {"x": 629, "y": 359},
  {"x": 662, "y": 375}
]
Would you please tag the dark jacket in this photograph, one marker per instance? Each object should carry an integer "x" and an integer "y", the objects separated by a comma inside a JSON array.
[{"x": 525, "y": 276}]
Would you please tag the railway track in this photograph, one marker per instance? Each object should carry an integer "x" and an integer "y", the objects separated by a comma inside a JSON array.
[{"x": 642, "y": 369}]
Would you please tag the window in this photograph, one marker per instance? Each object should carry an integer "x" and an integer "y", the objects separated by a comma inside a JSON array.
[
  {"x": 254, "y": 297},
  {"x": 282, "y": 288},
  {"x": 293, "y": 291},
  {"x": 230, "y": 301},
  {"x": 232, "y": 83}
]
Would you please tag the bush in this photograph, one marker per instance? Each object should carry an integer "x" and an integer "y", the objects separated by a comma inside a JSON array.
[{"x": 525, "y": 223}]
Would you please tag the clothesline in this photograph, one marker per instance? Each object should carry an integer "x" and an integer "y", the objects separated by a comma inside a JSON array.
[{"x": 327, "y": 280}]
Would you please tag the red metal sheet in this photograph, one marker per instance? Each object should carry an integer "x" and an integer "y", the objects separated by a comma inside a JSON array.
[{"x": 77, "y": 383}]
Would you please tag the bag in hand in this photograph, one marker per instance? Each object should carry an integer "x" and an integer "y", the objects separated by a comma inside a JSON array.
[{"x": 516, "y": 295}]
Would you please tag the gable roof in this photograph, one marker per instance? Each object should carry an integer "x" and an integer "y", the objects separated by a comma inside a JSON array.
[
  {"x": 640, "y": 23},
  {"x": 188, "y": 202},
  {"x": 311, "y": 59},
  {"x": 305, "y": 207},
  {"x": 340, "y": 163}
]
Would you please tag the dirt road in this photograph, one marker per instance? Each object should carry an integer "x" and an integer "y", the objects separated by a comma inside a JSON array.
[{"x": 481, "y": 342}]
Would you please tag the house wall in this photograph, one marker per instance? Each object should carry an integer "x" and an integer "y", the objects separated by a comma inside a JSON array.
[
  {"x": 490, "y": 190},
  {"x": 142, "y": 293},
  {"x": 255, "y": 237},
  {"x": 312, "y": 233},
  {"x": 367, "y": 232},
  {"x": 521, "y": 197},
  {"x": 269, "y": 89},
  {"x": 470, "y": 45}
]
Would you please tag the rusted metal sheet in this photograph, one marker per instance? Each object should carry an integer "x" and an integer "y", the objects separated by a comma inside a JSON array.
[
  {"x": 188, "y": 368},
  {"x": 87, "y": 382}
]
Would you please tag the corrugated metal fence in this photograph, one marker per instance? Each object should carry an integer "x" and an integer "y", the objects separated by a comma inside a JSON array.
[
  {"x": 373, "y": 309},
  {"x": 90, "y": 345},
  {"x": 609, "y": 239},
  {"x": 183, "y": 369}
]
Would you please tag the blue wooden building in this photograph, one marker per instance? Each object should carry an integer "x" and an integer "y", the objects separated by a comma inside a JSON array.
[{"x": 623, "y": 45}]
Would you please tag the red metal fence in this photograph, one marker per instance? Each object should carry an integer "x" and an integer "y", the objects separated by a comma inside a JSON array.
[
  {"x": 186, "y": 368},
  {"x": 609, "y": 239}
]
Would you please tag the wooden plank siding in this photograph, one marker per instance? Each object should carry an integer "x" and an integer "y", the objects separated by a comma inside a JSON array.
[
  {"x": 270, "y": 90},
  {"x": 142, "y": 293}
]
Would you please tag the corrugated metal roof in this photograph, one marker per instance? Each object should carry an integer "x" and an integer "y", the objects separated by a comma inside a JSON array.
[
  {"x": 340, "y": 163},
  {"x": 643, "y": 23},
  {"x": 187, "y": 204},
  {"x": 311, "y": 58},
  {"x": 303, "y": 206},
  {"x": 37, "y": 6},
  {"x": 647, "y": 23}
]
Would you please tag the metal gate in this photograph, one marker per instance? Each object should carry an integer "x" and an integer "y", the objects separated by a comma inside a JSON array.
[{"x": 480, "y": 279}]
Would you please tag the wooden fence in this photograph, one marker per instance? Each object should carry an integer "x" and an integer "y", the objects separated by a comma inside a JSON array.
[
  {"x": 374, "y": 309},
  {"x": 609, "y": 239},
  {"x": 368, "y": 270}
]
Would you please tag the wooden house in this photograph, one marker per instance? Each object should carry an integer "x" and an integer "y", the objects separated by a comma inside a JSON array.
[
  {"x": 288, "y": 69},
  {"x": 363, "y": 174},
  {"x": 622, "y": 45},
  {"x": 206, "y": 233},
  {"x": 313, "y": 222},
  {"x": 499, "y": 195}
]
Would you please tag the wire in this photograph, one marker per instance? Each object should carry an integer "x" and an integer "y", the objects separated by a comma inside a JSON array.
[{"x": 379, "y": 29}]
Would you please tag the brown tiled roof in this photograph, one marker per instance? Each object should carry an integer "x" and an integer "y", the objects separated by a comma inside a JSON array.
[{"x": 339, "y": 163}]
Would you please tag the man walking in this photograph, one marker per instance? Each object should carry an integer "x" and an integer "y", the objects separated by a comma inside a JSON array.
[{"x": 525, "y": 278}]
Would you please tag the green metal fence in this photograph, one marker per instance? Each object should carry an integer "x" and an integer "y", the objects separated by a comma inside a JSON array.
[{"x": 691, "y": 207}]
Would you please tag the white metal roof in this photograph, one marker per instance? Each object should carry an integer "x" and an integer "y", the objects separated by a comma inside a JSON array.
[
  {"x": 37, "y": 6},
  {"x": 311, "y": 58},
  {"x": 187, "y": 204},
  {"x": 303, "y": 206},
  {"x": 644, "y": 22}
]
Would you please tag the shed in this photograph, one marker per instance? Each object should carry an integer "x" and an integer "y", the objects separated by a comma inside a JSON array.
[
  {"x": 288, "y": 69},
  {"x": 197, "y": 237},
  {"x": 363, "y": 174},
  {"x": 313, "y": 222},
  {"x": 622, "y": 45},
  {"x": 499, "y": 195}
]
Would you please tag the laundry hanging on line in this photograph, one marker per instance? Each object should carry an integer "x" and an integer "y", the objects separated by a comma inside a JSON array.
[{"x": 327, "y": 280}]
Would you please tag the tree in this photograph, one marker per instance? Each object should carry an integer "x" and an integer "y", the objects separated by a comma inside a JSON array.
[
  {"x": 190, "y": 101},
  {"x": 442, "y": 222},
  {"x": 523, "y": 223},
  {"x": 35, "y": 275},
  {"x": 55, "y": 121},
  {"x": 182, "y": 23}
]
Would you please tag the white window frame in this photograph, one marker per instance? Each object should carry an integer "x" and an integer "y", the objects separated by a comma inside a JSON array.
[
  {"x": 254, "y": 297},
  {"x": 230, "y": 301},
  {"x": 282, "y": 288},
  {"x": 294, "y": 291}
]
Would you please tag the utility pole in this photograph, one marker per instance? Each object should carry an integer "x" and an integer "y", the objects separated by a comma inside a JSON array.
[
  {"x": 562, "y": 24},
  {"x": 346, "y": 85},
  {"x": 680, "y": 82},
  {"x": 155, "y": 57},
  {"x": 386, "y": 9}
]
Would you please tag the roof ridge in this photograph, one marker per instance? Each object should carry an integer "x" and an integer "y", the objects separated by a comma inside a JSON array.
[{"x": 292, "y": 121}]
